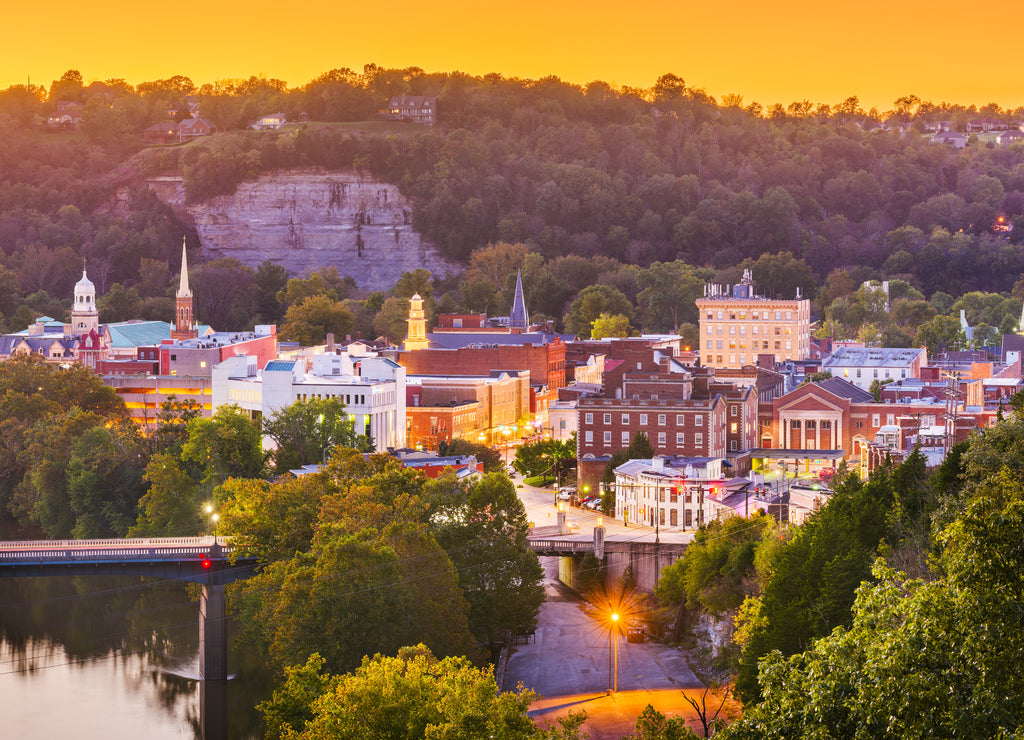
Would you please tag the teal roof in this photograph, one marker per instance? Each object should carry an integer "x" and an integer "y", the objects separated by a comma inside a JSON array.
[
  {"x": 138, "y": 333},
  {"x": 276, "y": 365}
]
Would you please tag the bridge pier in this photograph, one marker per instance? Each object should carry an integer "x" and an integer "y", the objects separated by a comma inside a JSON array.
[{"x": 213, "y": 634}]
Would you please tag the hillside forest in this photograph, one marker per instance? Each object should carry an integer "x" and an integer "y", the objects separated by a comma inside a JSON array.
[{"x": 594, "y": 185}]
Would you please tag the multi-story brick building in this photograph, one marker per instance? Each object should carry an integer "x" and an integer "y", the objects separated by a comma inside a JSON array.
[
  {"x": 683, "y": 411},
  {"x": 736, "y": 325}
]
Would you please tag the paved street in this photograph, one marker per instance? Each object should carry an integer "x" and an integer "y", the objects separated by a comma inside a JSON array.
[{"x": 568, "y": 666}]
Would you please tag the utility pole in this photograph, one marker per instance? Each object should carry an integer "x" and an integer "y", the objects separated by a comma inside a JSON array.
[{"x": 952, "y": 408}]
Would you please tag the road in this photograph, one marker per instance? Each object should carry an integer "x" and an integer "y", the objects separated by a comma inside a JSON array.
[
  {"x": 541, "y": 510},
  {"x": 567, "y": 665}
]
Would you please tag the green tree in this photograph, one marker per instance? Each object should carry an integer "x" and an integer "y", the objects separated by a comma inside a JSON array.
[
  {"x": 591, "y": 303},
  {"x": 668, "y": 291},
  {"x": 411, "y": 695},
  {"x": 105, "y": 481},
  {"x": 483, "y": 529},
  {"x": 489, "y": 457},
  {"x": 270, "y": 279},
  {"x": 172, "y": 507},
  {"x": 610, "y": 326},
  {"x": 939, "y": 334},
  {"x": 307, "y": 431},
  {"x": 310, "y": 321},
  {"x": 325, "y": 281},
  {"x": 227, "y": 445},
  {"x": 272, "y": 520}
]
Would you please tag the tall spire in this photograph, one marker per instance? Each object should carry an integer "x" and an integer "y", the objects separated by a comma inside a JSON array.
[
  {"x": 184, "y": 321},
  {"x": 183, "y": 291},
  {"x": 519, "y": 319}
]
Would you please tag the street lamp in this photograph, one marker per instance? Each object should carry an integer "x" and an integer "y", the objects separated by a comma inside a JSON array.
[
  {"x": 213, "y": 518},
  {"x": 613, "y": 646}
]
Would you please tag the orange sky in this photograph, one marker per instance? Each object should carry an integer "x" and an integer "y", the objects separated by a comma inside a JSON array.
[{"x": 819, "y": 50}]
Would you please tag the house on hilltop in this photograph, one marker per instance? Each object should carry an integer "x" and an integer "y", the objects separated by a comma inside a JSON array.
[{"x": 415, "y": 108}]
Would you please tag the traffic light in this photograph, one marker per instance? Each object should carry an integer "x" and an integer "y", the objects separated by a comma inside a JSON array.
[{"x": 207, "y": 563}]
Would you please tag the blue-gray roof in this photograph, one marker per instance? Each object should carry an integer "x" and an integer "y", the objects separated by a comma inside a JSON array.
[
  {"x": 458, "y": 340},
  {"x": 138, "y": 333}
]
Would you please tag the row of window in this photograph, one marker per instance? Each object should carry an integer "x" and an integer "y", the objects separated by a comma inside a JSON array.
[
  {"x": 810, "y": 424},
  {"x": 742, "y": 315},
  {"x": 719, "y": 330},
  {"x": 698, "y": 438},
  {"x": 753, "y": 345},
  {"x": 698, "y": 419}
]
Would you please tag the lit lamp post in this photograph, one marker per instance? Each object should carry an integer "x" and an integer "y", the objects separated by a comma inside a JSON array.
[
  {"x": 213, "y": 518},
  {"x": 613, "y": 647}
]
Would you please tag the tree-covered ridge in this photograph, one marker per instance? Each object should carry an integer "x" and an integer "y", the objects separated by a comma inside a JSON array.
[{"x": 638, "y": 176}]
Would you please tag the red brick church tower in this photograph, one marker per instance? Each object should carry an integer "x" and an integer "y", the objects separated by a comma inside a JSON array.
[{"x": 184, "y": 322}]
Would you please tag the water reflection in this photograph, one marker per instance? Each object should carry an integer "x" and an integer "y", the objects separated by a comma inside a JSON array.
[{"x": 109, "y": 657}]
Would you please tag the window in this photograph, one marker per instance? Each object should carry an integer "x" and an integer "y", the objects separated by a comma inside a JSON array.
[
  {"x": 789, "y": 315},
  {"x": 733, "y": 410},
  {"x": 661, "y": 516},
  {"x": 588, "y": 419},
  {"x": 661, "y": 420},
  {"x": 625, "y": 418},
  {"x": 733, "y": 428},
  {"x": 858, "y": 372},
  {"x": 710, "y": 343},
  {"x": 673, "y": 495},
  {"x": 876, "y": 420},
  {"x": 809, "y": 424},
  {"x": 719, "y": 344},
  {"x": 698, "y": 420},
  {"x": 588, "y": 437},
  {"x": 890, "y": 419},
  {"x": 698, "y": 439},
  {"x": 625, "y": 438},
  {"x": 607, "y": 418},
  {"x": 607, "y": 438},
  {"x": 680, "y": 439},
  {"x": 732, "y": 445},
  {"x": 680, "y": 420},
  {"x": 643, "y": 420},
  {"x": 732, "y": 329},
  {"x": 661, "y": 439},
  {"x": 778, "y": 315},
  {"x": 710, "y": 329},
  {"x": 826, "y": 424},
  {"x": 794, "y": 424},
  {"x": 874, "y": 373}
]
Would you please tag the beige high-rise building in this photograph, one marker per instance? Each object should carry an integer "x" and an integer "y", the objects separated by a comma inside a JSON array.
[{"x": 736, "y": 326}]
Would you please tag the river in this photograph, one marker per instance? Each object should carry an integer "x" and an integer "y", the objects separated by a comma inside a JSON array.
[{"x": 116, "y": 657}]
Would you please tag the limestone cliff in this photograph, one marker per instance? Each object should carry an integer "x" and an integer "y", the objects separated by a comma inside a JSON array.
[{"x": 306, "y": 220}]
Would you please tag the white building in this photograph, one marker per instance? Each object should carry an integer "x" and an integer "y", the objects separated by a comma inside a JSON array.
[
  {"x": 862, "y": 365},
  {"x": 562, "y": 419},
  {"x": 678, "y": 492},
  {"x": 372, "y": 389}
]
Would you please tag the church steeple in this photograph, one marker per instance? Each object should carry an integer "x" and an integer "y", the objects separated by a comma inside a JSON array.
[
  {"x": 84, "y": 316},
  {"x": 518, "y": 319},
  {"x": 184, "y": 323}
]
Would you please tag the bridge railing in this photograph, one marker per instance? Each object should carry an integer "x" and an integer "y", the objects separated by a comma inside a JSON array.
[
  {"x": 562, "y": 545},
  {"x": 130, "y": 542},
  {"x": 153, "y": 548}
]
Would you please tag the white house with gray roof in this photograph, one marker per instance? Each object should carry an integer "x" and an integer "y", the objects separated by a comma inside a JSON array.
[{"x": 862, "y": 365}]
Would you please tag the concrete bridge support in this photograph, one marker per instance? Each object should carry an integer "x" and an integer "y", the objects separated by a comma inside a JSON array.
[{"x": 213, "y": 634}]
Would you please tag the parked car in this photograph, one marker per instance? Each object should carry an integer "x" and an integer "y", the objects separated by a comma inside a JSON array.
[{"x": 564, "y": 495}]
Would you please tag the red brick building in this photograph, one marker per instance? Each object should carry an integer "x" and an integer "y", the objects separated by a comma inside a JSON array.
[{"x": 545, "y": 362}]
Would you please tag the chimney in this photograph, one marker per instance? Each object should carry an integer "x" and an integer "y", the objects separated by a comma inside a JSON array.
[{"x": 330, "y": 343}]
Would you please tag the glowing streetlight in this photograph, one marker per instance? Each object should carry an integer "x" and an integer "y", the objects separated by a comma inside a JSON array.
[
  {"x": 613, "y": 646},
  {"x": 213, "y": 518}
]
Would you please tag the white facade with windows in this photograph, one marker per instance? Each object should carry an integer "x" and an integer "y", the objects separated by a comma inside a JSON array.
[{"x": 372, "y": 389}]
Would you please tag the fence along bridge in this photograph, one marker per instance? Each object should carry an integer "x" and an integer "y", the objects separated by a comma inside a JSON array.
[{"x": 203, "y": 560}]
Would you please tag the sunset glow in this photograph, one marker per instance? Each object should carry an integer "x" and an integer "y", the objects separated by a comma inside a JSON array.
[{"x": 768, "y": 52}]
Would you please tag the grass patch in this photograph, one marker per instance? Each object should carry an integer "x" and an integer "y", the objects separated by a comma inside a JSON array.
[{"x": 539, "y": 481}]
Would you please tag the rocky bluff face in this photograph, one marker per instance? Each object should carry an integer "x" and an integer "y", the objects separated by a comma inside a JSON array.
[{"x": 305, "y": 221}]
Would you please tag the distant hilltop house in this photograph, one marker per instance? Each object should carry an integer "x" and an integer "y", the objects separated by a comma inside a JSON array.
[
  {"x": 952, "y": 138},
  {"x": 415, "y": 108},
  {"x": 269, "y": 121},
  {"x": 66, "y": 117},
  {"x": 1009, "y": 137},
  {"x": 938, "y": 126},
  {"x": 173, "y": 133},
  {"x": 981, "y": 125}
]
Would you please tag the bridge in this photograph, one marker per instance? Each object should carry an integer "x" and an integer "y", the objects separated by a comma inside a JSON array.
[{"x": 204, "y": 560}]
